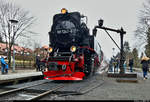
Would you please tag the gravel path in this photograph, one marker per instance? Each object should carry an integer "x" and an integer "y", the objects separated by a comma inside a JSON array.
[{"x": 112, "y": 90}]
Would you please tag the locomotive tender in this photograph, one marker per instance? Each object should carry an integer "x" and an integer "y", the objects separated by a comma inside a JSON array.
[{"x": 74, "y": 54}]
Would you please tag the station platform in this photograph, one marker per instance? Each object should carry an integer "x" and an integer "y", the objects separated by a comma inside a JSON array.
[
  {"x": 19, "y": 75},
  {"x": 127, "y": 76}
]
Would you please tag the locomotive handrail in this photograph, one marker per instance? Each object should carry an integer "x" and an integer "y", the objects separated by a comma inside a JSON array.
[
  {"x": 70, "y": 61},
  {"x": 59, "y": 58},
  {"x": 88, "y": 48},
  {"x": 65, "y": 52}
]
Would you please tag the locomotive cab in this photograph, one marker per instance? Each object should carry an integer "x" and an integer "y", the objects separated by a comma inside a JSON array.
[{"x": 71, "y": 52}]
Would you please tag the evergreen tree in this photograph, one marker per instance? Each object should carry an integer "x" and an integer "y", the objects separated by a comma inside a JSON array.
[
  {"x": 126, "y": 46},
  {"x": 135, "y": 58},
  {"x": 127, "y": 52}
]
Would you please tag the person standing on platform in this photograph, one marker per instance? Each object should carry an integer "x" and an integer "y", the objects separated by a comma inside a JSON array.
[
  {"x": 124, "y": 66},
  {"x": 145, "y": 62},
  {"x": 4, "y": 66},
  {"x": 117, "y": 60},
  {"x": 115, "y": 65},
  {"x": 131, "y": 64},
  {"x": 111, "y": 65},
  {"x": 38, "y": 63}
]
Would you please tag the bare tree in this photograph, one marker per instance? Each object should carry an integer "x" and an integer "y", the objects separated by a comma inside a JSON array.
[
  {"x": 26, "y": 43},
  {"x": 36, "y": 44},
  {"x": 10, "y": 11},
  {"x": 1, "y": 38},
  {"x": 143, "y": 26}
]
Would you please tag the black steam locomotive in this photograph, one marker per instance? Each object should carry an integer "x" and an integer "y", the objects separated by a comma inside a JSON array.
[{"x": 73, "y": 52}]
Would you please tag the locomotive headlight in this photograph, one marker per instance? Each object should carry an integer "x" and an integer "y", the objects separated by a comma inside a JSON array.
[
  {"x": 50, "y": 49},
  {"x": 63, "y": 11},
  {"x": 73, "y": 49}
]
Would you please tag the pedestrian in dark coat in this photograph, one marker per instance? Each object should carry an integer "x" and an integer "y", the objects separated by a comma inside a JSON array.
[
  {"x": 118, "y": 63},
  {"x": 115, "y": 65},
  {"x": 131, "y": 64},
  {"x": 38, "y": 63},
  {"x": 145, "y": 62},
  {"x": 111, "y": 65}
]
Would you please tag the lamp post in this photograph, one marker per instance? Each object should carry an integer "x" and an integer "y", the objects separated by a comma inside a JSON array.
[{"x": 13, "y": 22}]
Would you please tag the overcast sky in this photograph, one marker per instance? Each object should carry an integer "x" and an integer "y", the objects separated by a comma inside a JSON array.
[{"x": 115, "y": 13}]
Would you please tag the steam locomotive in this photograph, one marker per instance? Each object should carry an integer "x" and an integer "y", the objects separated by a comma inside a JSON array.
[{"x": 74, "y": 54}]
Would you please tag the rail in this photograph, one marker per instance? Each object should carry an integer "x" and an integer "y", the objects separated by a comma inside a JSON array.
[
  {"x": 45, "y": 93},
  {"x": 19, "y": 89}
]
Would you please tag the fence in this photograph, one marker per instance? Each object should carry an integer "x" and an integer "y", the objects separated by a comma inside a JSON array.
[{"x": 22, "y": 64}]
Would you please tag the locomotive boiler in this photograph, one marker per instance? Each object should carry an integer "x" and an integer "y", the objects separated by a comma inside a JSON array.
[{"x": 74, "y": 54}]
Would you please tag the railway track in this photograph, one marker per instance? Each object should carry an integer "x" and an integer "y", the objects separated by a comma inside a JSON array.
[
  {"x": 32, "y": 97},
  {"x": 77, "y": 88},
  {"x": 45, "y": 93},
  {"x": 23, "y": 94},
  {"x": 19, "y": 89}
]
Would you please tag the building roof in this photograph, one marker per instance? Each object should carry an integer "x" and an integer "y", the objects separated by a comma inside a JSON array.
[
  {"x": 16, "y": 47},
  {"x": 45, "y": 46}
]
